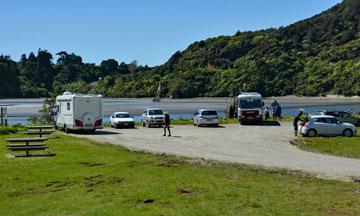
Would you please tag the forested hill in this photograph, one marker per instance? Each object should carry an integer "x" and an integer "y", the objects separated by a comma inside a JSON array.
[{"x": 320, "y": 55}]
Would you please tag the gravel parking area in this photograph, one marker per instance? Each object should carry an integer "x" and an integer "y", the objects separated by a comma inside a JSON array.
[{"x": 259, "y": 145}]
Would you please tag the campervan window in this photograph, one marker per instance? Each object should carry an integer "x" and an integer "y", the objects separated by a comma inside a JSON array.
[
  {"x": 249, "y": 103},
  {"x": 68, "y": 106}
]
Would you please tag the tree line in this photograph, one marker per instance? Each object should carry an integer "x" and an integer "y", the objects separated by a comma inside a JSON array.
[{"x": 316, "y": 56}]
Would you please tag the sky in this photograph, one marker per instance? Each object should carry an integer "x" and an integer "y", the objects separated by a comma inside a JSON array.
[{"x": 148, "y": 31}]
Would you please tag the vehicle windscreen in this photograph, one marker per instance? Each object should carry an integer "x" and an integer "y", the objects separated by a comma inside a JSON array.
[
  {"x": 209, "y": 112},
  {"x": 155, "y": 112},
  {"x": 250, "y": 103},
  {"x": 123, "y": 116}
]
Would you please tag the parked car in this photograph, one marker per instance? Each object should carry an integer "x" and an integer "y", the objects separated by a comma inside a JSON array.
[
  {"x": 325, "y": 125},
  {"x": 121, "y": 119},
  {"x": 342, "y": 116},
  {"x": 206, "y": 117},
  {"x": 153, "y": 116}
]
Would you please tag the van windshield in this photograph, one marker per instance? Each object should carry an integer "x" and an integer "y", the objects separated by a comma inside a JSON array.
[
  {"x": 155, "y": 112},
  {"x": 250, "y": 103},
  {"x": 208, "y": 112},
  {"x": 123, "y": 116}
]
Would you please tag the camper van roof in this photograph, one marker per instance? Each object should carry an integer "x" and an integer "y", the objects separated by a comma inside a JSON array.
[
  {"x": 72, "y": 95},
  {"x": 247, "y": 94}
]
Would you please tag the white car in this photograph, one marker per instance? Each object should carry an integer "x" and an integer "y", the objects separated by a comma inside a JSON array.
[
  {"x": 153, "y": 116},
  {"x": 121, "y": 119},
  {"x": 327, "y": 126},
  {"x": 206, "y": 117}
]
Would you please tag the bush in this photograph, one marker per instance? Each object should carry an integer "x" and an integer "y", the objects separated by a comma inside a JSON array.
[{"x": 8, "y": 130}]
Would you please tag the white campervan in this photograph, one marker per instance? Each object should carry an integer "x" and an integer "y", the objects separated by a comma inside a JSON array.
[
  {"x": 79, "y": 112},
  {"x": 250, "y": 107}
]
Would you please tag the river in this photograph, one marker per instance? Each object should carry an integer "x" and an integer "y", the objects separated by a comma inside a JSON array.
[{"x": 19, "y": 110}]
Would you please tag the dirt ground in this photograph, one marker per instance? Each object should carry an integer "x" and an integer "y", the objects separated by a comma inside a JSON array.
[{"x": 267, "y": 146}]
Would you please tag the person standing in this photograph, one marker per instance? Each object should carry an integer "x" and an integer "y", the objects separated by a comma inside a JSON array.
[
  {"x": 278, "y": 112},
  {"x": 167, "y": 123},
  {"x": 297, "y": 119},
  {"x": 274, "y": 113},
  {"x": 267, "y": 113}
]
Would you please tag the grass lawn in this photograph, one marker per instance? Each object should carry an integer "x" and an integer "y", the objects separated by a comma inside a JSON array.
[
  {"x": 341, "y": 146},
  {"x": 88, "y": 178}
]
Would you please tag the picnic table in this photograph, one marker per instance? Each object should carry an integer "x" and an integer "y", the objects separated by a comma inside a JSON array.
[
  {"x": 27, "y": 147},
  {"x": 39, "y": 130}
]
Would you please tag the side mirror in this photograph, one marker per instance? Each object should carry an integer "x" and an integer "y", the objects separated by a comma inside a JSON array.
[{"x": 54, "y": 113}]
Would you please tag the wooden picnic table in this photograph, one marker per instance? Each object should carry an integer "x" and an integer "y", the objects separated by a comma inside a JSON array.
[
  {"x": 28, "y": 147},
  {"x": 40, "y": 127},
  {"x": 39, "y": 130}
]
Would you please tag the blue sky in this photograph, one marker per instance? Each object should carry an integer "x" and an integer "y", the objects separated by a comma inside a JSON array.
[{"x": 148, "y": 31}]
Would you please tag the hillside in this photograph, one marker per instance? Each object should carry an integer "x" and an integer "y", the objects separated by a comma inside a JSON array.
[
  {"x": 316, "y": 56},
  {"x": 319, "y": 55}
]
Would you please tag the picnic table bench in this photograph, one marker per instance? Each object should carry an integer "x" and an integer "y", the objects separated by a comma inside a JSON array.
[
  {"x": 27, "y": 147},
  {"x": 39, "y": 130}
]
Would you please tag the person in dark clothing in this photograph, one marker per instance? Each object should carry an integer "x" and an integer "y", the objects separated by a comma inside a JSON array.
[
  {"x": 297, "y": 119},
  {"x": 278, "y": 112},
  {"x": 167, "y": 124}
]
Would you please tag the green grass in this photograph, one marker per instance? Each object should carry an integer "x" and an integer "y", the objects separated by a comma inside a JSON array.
[
  {"x": 88, "y": 178},
  {"x": 340, "y": 146}
]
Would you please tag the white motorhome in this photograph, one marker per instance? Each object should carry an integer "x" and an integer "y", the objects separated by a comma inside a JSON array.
[
  {"x": 250, "y": 107},
  {"x": 79, "y": 112}
]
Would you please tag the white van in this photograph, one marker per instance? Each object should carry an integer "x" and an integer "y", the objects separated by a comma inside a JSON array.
[
  {"x": 79, "y": 112},
  {"x": 250, "y": 107}
]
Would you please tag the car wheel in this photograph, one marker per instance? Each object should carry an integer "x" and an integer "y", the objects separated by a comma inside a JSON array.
[
  {"x": 148, "y": 125},
  {"x": 311, "y": 133},
  {"x": 348, "y": 133}
]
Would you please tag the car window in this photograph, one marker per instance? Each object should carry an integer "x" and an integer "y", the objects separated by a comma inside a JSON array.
[
  {"x": 336, "y": 114},
  {"x": 155, "y": 112},
  {"x": 123, "y": 115},
  {"x": 209, "y": 112},
  {"x": 331, "y": 120},
  {"x": 321, "y": 120}
]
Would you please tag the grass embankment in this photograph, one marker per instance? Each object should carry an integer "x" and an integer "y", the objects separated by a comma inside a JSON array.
[
  {"x": 88, "y": 178},
  {"x": 340, "y": 146}
]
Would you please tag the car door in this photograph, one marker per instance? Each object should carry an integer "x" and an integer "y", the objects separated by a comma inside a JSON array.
[
  {"x": 348, "y": 118},
  {"x": 321, "y": 126},
  {"x": 333, "y": 126}
]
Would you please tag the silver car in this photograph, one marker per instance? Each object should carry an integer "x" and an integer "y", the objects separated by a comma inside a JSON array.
[
  {"x": 324, "y": 125},
  {"x": 153, "y": 116},
  {"x": 206, "y": 117}
]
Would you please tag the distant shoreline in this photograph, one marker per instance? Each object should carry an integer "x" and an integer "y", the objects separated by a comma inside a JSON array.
[{"x": 28, "y": 107}]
